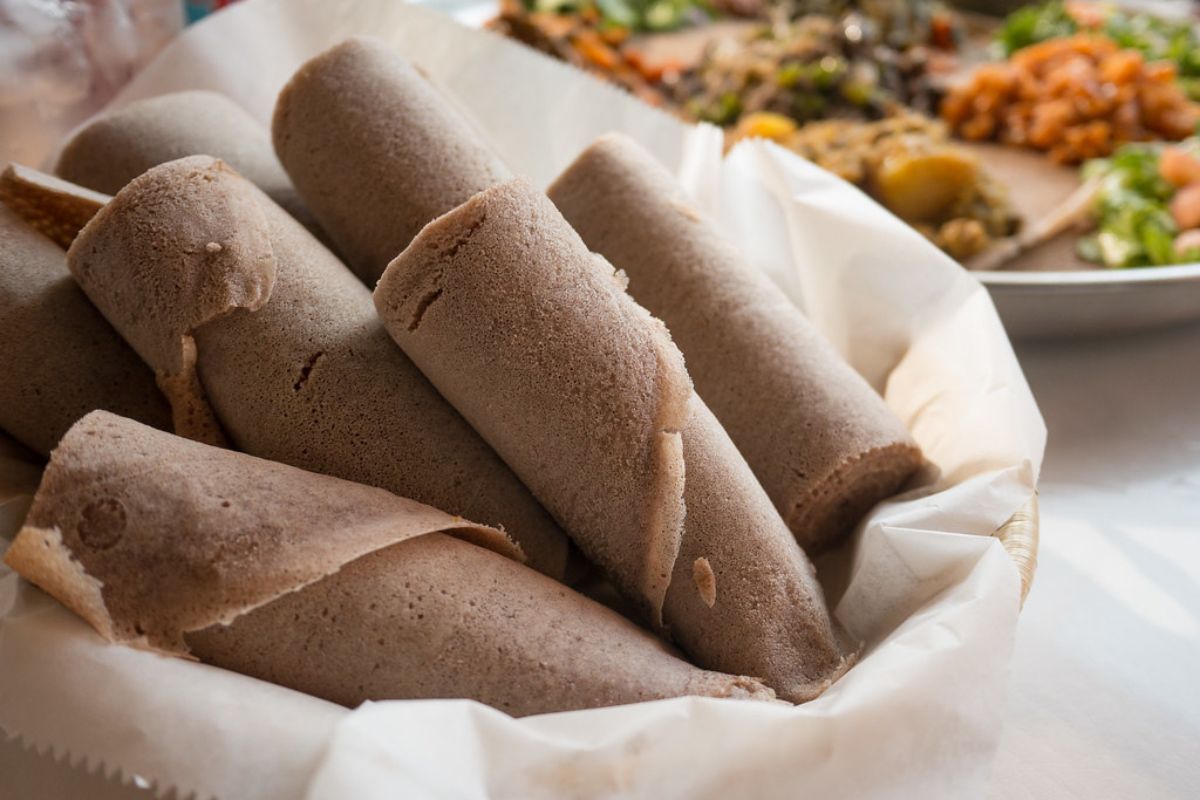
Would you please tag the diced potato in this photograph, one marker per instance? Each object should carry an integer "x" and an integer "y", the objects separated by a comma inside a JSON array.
[{"x": 923, "y": 188}]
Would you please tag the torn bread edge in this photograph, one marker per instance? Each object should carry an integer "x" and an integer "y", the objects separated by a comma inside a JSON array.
[
  {"x": 55, "y": 208},
  {"x": 226, "y": 262},
  {"x": 39, "y": 554}
]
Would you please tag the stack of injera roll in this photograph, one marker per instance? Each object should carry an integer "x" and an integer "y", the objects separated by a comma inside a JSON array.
[
  {"x": 339, "y": 590},
  {"x": 533, "y": 338},
  {"x": 255, "y": 319},
  {"x": 818, "y": 437}
]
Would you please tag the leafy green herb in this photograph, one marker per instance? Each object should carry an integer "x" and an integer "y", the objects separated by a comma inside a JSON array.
[
  {"x": 637, "y": 15},
  {"x": 1032, "y": 24},
  {"x": 1134, "y": 226},
  {"x": 617, "y": 12}
]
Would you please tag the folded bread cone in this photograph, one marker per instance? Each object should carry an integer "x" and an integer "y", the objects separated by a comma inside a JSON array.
[
  {"x": 340, "y": 590},
  {"x": 238, "y": 308},
  {"x": 115, "y": 147},
  {"x": 358, "y": 115},
  {"x": 534, "y": 340},
  {"x": 59, "y": 359},
  {"x": 818, "y": 437}
]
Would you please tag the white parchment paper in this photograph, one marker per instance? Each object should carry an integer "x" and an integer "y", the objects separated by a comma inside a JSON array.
[{"x": 934, "y": 597}]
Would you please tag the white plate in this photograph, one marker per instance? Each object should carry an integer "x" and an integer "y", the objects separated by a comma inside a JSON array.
[{"x": 1092, "y": 302}]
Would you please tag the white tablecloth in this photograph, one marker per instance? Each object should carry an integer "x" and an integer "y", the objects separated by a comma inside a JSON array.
[{"x": 1103, "y": 700}]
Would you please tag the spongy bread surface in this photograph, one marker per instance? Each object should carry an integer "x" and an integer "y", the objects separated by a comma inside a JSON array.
[
  {"x": 533, "y": 338},
  {"x": 818, "y": 437},
  {"x": 287, "y": 349},
  {"x": 179, "y": 535},
  {"x": 115, "y": 147},
  {"x": 60, "y": 359},
  {"x": 433, "y": 617},
  {"x": 581, "y": 391},
  {"x": 376, "y": 151}
]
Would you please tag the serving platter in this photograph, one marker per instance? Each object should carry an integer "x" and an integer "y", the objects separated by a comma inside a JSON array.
[{"x": 1050, "y": 292}]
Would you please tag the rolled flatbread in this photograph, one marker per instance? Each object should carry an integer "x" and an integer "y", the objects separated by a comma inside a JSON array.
[
  {"x": 239, "y": 308},
  {"x": 59, "y": 358},
  {"x": 583, "y": 393},
  {"x": 340, "y": 590},
  {"x": 818, "y": 437},
  {"x": 115, "y": 147},
  {"x": 376, "y": 151}
]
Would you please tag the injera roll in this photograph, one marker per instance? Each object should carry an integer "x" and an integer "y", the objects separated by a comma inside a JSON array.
[
  {"x": 376, "y": 151},
  {"x": 115, "y": 147},
  {"x": 818, "y": 437},
  {"x": 333, "y": 588},
  {"x": 59, "y": 358},
  {"x": 219, "y": 290},
  {"x": 584, "y": 395}
]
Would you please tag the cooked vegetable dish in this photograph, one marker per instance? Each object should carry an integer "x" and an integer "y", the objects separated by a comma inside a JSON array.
[
  {"x": 1147, "y": 206},
  {"x": 1076, "y": 98},
  {"x": 908, "y": 163}
]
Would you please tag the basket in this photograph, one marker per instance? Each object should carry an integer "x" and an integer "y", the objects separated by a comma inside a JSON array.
[{"x": 1020, "y": 539}]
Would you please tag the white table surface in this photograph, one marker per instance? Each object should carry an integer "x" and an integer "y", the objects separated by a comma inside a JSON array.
[{"x": 1104, "y": 700}]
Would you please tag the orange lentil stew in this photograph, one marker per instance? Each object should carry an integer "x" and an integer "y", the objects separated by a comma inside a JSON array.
[{"x": 1077, "y": 98}]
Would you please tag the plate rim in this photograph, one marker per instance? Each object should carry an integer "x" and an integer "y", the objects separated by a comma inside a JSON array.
[{"x": 1173, "y": 273}]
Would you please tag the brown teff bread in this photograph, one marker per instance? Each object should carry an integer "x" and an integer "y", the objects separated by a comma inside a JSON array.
[
  {"x": 581, "y": 391},
  {"x": 239, "y": 307},
  {"x": 59, "y": 358},
  {"x": 376, "y": 151},
  {"x": 326, "y": 586},
  {"x": 54, "y": 207},
  {"x": 116, "y": 147},
  {"x": 818, "y": 437}
]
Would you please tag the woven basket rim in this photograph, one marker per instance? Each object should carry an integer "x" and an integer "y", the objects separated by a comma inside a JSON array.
[{"x": 1020, "y": 539}]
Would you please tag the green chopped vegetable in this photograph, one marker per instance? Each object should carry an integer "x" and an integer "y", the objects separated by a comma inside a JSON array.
[
  {"x": 1134, "y": 226},
  {"x": 552, "y": 6},
  {"x": 1033, "y": 24},
  {"x": 789, "y": 74},
  {"x": 617, "y": 12},
  {"x": 637, "y": 15},
  {"x": 725, "y": 111}
]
